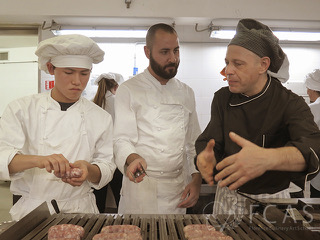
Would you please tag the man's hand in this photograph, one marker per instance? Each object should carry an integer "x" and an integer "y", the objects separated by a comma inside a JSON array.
[
  {"x": 77, "y": 181},
  {"x": 252, "y": 161},
  {"x": 191, "y": 193},
  {"x": 135, "y": 166},
  {"x": 56, "y": 163},
  {"x": 206, "y": 161},
  {"x": 61, "y": 166}
]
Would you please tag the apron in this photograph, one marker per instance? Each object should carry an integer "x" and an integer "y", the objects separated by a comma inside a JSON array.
[
  {"x": 229, "y": 202},
  {"x": 61, "y": 132},
  {"x": 158, "y": 193}
]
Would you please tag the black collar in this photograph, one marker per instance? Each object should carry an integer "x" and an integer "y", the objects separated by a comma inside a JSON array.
[{"x": 238, "y": 99}]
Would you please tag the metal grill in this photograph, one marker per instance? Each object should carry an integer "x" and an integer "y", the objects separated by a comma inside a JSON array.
[
  {"x": 257, "y": 226},
  {"x": 163, "y": 227}
]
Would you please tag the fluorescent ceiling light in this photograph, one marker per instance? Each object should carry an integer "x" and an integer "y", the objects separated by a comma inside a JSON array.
[
  {"x": 223, "y": 34},
  {"x": 104, "y": 33},
  {"x": 298, "y": 36},
  {"x": 282, "y": 35}
]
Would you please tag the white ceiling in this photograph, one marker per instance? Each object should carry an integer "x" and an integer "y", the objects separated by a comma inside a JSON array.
[
  {"x": 143, "y": 13},
  {"x": 146, "y": 12}
]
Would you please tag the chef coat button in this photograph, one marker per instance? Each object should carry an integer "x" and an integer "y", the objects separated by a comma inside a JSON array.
[
  {"x": 159, "y": 129},
  {"x": 154, "y": 106},
  {"x": 161, "y": 173},
  {"x": 162, "y": 150},
  {"x": 181, "y": 107},
  {"x": 45, "y": 138},
  {"x": 181, "y": 149},
  {"x": 178, "y": 170},
  {"x": 181, "y": 127}
]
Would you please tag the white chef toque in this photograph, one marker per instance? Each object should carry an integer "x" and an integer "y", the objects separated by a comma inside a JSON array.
[
  {"x": 104, "y": 75},
  {"x": 312, "y": 80},
  {"x": 115, "y": 76},
  {"x": 73, "y": 50}
]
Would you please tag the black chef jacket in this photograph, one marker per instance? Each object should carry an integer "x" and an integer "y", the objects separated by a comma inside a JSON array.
[{"x": 273, "y": 118}]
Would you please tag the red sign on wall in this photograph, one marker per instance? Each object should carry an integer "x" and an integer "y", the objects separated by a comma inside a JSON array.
[{"x": 49, "y": 85}]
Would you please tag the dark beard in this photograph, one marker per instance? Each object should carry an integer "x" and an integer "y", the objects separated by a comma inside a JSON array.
[{"x": 161, "y": 71}]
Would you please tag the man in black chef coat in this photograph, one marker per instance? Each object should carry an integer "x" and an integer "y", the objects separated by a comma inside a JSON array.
[{"x": 261, "y": 136}]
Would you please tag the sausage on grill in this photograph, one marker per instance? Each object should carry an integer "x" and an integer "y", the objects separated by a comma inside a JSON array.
[
  {"x": 121, "y": 229},
  {"x": 123, "y": 232},
  {"x": 202, "y": 227},
  {"x": 65, "y": 231},
  {"x": 117, "y": 236},
  {"x": 203, "y": 232}
]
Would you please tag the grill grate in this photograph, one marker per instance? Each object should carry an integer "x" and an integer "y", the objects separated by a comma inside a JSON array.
[{"x": 162, "y": 227}]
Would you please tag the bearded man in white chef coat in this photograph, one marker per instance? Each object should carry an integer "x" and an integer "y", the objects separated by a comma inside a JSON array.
[
  {"x": 44, "y": 136},
  {"x": 156, "y": 126},
  {"x": 312, "y": 82}
]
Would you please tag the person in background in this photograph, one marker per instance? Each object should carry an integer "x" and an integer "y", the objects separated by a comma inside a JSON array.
[
  {"x": 261, "y": 136},
  {"x": 155, "y": 128},
  {"x": 45, "y": 137},
  {"x": 312, "y": 82},
  {"x": 108, "y": 84}
]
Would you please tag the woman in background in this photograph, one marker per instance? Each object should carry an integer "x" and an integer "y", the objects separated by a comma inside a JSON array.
[{"x": 107, "y": 87}]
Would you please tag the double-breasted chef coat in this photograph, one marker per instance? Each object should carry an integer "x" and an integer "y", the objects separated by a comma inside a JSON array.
[
  {"x": 35, "y": 125},
  {"x": 158, "y": 122}
]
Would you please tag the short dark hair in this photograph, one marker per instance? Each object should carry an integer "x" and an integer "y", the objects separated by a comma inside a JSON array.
[{"x": 154, "y": 28}]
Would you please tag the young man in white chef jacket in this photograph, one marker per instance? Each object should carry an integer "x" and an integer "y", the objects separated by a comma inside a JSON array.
[
  {"x": 156, "y": 126},
  {"x": 44, "y": 136}
]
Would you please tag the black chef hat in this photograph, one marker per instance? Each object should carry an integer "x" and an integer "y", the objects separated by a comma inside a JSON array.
[{"x": 258, "y": 38}]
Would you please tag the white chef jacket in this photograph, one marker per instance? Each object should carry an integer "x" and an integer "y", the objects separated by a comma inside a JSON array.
[
  {"x": 315, "y": 109},
  {"x": 160, "y": 123},
  {"x": 35, "y": 125}
]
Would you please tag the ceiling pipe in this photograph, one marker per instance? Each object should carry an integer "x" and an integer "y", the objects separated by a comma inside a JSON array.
[{"x": 128, "y": 2}]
